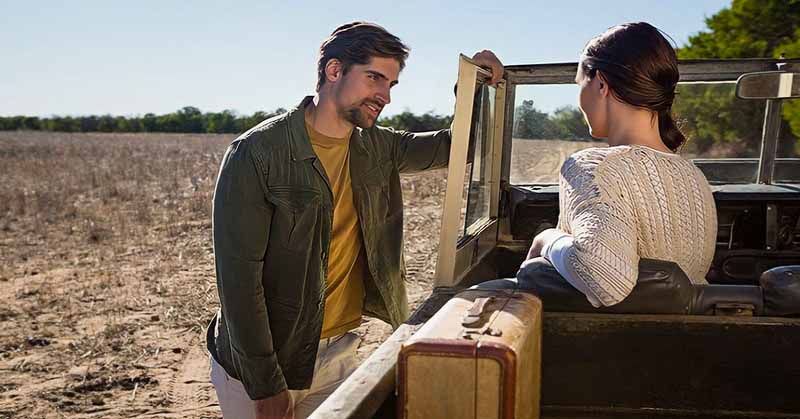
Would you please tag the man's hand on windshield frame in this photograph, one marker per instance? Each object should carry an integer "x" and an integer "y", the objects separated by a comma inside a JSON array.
[{"x": 488, "y": 60}]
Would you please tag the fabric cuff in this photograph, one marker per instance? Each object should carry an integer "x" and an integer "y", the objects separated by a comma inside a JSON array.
[
  {"x": 261, "y": 377},
  {"x": 551, "y": 237},
  {"x": 557, "y": 248}
]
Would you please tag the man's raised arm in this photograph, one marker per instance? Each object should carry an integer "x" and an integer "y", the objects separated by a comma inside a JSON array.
[{"x": 431, "y": 150}]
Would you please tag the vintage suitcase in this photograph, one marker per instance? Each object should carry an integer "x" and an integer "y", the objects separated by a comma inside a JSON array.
[{"x": 478, "y": 357}]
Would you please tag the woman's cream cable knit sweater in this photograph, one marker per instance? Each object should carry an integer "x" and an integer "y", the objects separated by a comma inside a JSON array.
[{"x": 622, "y": 203}]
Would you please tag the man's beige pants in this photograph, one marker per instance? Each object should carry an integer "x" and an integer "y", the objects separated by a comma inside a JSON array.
[{"x": 336, "y": 360}]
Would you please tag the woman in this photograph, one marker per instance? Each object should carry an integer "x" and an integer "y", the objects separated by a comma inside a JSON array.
[{"x": 636, "y": 198}]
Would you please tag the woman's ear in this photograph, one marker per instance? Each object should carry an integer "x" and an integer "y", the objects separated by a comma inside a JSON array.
[{"x": 602, "y": 83}]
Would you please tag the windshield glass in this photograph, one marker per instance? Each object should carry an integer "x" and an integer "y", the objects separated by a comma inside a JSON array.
[
  {"x": 548, "y": 127},
  {"x": 476, "y": 190},
  {"x": 481, "y": 136},
  {"x": 724, "y": 132},
  {"x": 788, "y": 143}
]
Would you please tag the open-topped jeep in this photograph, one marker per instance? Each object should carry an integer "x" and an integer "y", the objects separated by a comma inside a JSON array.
[{"x": 671, "y": 349}]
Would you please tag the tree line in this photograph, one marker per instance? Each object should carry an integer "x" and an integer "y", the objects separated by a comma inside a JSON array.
[
  {"x": 188, "y": 119},
  {"x": 710, "y": 115},
  {"x": 566, "y": 123},
  {"x": 192, "y": 120}
]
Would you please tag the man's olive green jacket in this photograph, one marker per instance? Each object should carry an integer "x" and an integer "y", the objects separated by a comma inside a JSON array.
[{"x": 273, "y": 211}]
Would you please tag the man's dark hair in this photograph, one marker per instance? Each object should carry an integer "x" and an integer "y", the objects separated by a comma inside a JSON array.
[{"x": 357, "y": 43}]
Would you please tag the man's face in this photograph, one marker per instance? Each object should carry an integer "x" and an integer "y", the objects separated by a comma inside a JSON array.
[{"x": 362, "y": 93}]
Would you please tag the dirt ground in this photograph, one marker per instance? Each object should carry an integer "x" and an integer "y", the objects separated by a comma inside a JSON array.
[
  {"x": 107, "y": 271},
  {"x": 107, "y": 274},
  {"x": 539, "y": 161}
]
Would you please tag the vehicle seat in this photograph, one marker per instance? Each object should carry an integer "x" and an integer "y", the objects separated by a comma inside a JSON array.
[
  {"x": 781, "y": 287},
  {"x": 715, "y": 299},
  {"x": 663, "y": 288}
]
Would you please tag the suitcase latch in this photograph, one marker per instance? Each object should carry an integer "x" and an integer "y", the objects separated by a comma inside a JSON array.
[
  {"x": 474, "y": 313},
  {"x": 486, "y": 330},
  {"x": 472, "y": 318}
]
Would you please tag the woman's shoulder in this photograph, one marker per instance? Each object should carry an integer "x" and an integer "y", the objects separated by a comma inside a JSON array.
[
  {"x": 600, "y": 153},
  {"x": 590, "y": 159},
  {"x": 620, "y": 163}
]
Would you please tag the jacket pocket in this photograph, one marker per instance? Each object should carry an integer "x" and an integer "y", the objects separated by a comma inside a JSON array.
[
  {"x": 296, "y": 216},
  {"x": 376, "y": 186}
]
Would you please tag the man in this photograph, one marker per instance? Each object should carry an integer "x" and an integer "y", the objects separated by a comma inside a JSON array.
[{"x": 308, "y": 223}]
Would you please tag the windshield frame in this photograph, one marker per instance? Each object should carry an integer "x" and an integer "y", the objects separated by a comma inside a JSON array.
[{"x": 728, "y": 70}]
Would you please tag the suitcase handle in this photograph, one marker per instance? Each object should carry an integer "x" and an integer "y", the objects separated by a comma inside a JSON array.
[{"x": 474, "y": 312}]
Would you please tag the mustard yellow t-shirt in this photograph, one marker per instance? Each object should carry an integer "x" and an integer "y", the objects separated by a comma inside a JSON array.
[{"x": 347, "y": 261}]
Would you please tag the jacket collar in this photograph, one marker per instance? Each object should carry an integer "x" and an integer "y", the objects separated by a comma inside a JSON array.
[{"x": 300, "y": 144}]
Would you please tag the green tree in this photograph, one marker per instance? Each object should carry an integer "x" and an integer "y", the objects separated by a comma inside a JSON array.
[
  {"x": 531, "y": 123},
  {"x": 106, "y": 123},
  {"x": 791, "y": 108},
  {"x": 712, "y": 116},
  {"x": 134, "y": 125},
  {"x": 716, "y": 123},
  {"x": 747, "y": 29},
  {"x": 149, "y": 123},
  {"x": 122, "y": 124},
  {"x": 223, "y": 122},
  {"x": 408, "y": 121},
  {"x": 87, "y": 124},
  {"x": 170, "y": 122},
  {"x": 571, "y": 123},
  {"x": 62, "y": 124},
  {"x": 190, "y": 119}
]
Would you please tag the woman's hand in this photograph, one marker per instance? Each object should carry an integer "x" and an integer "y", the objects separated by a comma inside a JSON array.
[{"x": 538, "y": 244}]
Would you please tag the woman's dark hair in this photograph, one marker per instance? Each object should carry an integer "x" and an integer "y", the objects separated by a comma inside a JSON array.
[
  {"x": 357, "y": 43},
  {"x": 641, "y": 69}
]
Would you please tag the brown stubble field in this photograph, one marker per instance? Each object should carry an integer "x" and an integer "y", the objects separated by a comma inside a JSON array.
[
  {"x": 107, "y": 270},
  {"x": 107, "y": 274}
]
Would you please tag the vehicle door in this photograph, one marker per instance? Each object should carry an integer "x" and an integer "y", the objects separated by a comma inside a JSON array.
[{"x": 469, "y": 219}]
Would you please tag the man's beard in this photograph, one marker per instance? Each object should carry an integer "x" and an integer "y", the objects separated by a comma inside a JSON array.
[{"x": 356, "y": 116}]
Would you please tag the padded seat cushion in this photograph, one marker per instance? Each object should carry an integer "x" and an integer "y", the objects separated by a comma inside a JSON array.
[
  {"x": 781, "y": 287},
  {"x": 662, "y": 288},
  {"x": 709, "y": 298}
]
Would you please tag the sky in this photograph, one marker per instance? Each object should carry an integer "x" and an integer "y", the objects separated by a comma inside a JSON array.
[{"x": 131, "y": 58}]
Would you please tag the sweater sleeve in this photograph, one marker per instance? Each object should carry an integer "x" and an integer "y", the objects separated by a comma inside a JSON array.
[
  {"x": 556, "y": 249},
  {"x": 600, "y": 256}
]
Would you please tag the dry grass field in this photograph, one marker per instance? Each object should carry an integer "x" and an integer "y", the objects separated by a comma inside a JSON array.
[
  {"x": 107, "y": 271},
  {"x": 539, "y": 161},
  {"x": 107, "y": 274}
]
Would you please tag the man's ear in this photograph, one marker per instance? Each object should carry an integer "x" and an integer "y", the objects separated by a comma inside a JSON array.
[{"x": 333, "y": 70}]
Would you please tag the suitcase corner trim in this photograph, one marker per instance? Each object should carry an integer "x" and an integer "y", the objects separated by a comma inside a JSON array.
[
  {"x": 496, "y": 351},
  {"x": 507, "y": 359},
  {"x": 456, "y": 349}
]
